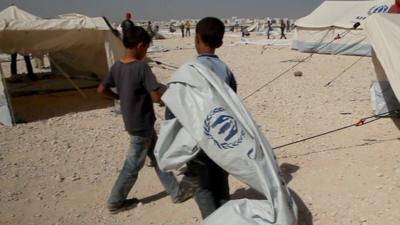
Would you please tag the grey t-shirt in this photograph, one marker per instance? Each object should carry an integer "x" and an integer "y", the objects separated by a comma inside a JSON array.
[{"x": 134, "y": 82}]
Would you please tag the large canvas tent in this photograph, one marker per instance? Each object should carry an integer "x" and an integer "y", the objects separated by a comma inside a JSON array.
[
  {"x": 75, "y": 43},
  {"x": 335, "y": 20},
  {"x": 14, "y": 13},
  {"x": 383, "y": 32}
]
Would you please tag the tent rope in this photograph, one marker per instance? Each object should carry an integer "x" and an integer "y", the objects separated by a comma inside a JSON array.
[
  {"x": 69, "y": 79},
  {"x": 361, "y": 122},
  {"x": 344, "y": 71},
  {"x": 341, "y": 35}
]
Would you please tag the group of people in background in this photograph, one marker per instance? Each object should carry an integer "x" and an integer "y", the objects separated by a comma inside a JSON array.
[
  {"x": 284, "y": 27},
  {"x": 185, "y": 28}
]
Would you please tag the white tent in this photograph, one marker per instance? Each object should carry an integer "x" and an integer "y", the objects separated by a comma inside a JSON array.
[
  {"x": 383, "y": 32},
  {"x": 14, "y": 13},
  {"x": 335, "y": 19},
  {"x": 76, "y": 43}
]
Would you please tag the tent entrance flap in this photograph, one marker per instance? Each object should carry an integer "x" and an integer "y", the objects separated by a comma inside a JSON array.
[{"x": 6, "y": 112}]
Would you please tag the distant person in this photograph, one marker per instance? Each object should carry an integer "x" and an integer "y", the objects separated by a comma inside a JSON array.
[
  {"x": 28, "y": 64},
  {"x": 245, "y": 32},
  {"x": 182, "y": 26},
  {"x": 137, "y": 89},
  {"x": 288, "y": 26},
  {"x": 150, "y": 29},
  {"x": 188, "y": 26},
  {"x": 269, "y": 24},
  {"x": 237, "y": 26},
  {"x": 395, "y": 8},
  {"x": 172, "y": 28},
  {"x": 127, "y": 24},
  {"x": 156, "y": 28},
  {"x": 283, "y": 26}
]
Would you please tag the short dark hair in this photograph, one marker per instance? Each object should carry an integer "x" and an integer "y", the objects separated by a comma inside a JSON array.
[
  {"x": 211, "y": 31},
  {"x": 134, "y": 36}
]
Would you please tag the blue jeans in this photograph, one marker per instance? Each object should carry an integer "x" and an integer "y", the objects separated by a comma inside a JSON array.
[
  {"x": 213, "y": 186},
  {"x": 134, "y": 162}
]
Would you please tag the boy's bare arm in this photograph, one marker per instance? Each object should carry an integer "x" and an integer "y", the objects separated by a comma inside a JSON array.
[{"x": 107, "y": 92}]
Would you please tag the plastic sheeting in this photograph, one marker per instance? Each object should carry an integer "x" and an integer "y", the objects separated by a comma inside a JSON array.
[
  {"x": 382, "y": 98},
  {"x": 210, "y": 116}
]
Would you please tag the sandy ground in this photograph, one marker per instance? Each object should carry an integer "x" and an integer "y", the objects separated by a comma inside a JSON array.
[{"x": 61, "y": 170}]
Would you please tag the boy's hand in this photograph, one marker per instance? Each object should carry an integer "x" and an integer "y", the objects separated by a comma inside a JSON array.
[
  {"x": 162, "y": 89},
  {"x": 107, "y": 92}
]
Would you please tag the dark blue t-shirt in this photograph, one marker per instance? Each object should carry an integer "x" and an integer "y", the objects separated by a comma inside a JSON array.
[{"x": 134, "y": 81}]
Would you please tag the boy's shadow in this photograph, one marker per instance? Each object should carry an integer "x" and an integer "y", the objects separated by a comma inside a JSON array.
[
  {"x": 304, "y": 215},
  {"x": 154, "y": 197}
]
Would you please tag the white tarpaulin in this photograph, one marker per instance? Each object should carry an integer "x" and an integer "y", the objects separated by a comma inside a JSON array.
[
  {"x": 333, "y": 18},
  {"x": 383, "y": 31},
  {"x": 382, "y": 98},
  {"x": 210, "y": 115}
]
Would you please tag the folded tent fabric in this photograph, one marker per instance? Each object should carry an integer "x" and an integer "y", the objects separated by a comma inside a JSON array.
[{"x": 210, "y": 116}]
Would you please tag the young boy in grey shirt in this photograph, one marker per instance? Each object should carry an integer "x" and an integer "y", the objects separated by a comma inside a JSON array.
[{"x": 137, "y": 89}]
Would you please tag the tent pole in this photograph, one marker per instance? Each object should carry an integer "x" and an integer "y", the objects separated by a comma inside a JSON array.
[
  {"x": 7, "y": 95},
  {"x": 69, "y": 79}
]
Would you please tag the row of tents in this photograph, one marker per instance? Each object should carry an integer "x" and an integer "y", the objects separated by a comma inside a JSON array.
[
  {"x": 73, "y": 42},
  {"x": 359, "y": 28},
  {"x": 92, "y": 41},
  {"x": 89, "y": 45},
  {"x": 336, "y": 19}
]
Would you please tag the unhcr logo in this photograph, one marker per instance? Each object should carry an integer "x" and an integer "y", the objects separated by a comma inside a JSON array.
[
  {"x": 223, "y": 129},
  {"x": 378, "y": 9}
]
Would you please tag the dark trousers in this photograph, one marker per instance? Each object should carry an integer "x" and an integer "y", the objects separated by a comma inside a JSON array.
[
  {"x": 213, "y": 187},
  {"x": 14, "y": 64},
  {"x": 283, "y": 33},
  {"x": 27, "y": 63}
]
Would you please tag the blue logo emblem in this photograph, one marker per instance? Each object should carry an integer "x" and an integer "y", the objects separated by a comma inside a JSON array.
[
  {"x": 222, "y": 129},
  {"x": 378, "y": 9}
]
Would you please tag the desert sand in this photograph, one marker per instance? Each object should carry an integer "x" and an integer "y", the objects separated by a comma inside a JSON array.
[{"x": 60, "y": 170}]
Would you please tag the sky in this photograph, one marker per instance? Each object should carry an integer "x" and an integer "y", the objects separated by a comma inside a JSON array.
[{"x": 168, "y": 9}]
